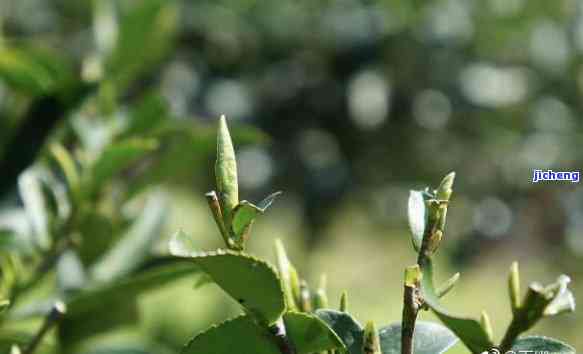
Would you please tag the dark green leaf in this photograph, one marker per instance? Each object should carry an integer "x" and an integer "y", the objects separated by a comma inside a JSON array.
[
  {"x": 250, "y": 281},
  {"x": 4, "y": 305},
  {"x": 346, "y": 327},
  {"x": 135, "y": 246},
  {"x": 309, "y": 334},
  {"x": 468, "y": 330},
  {"x": 234, "y": 336},
  {"x": 115, "y": 158},
  {"x": 429, "y": 338},
  {"x": 147, "y": 29},
  {"x": 103, "y": 308},
  {"x": 97, "y": 236},
  {"x": 417, "y": 212},
  {"x": 33, "y": 71},
  {"x": 539, "y": 344},
  {"x": 148, "y": 115}
]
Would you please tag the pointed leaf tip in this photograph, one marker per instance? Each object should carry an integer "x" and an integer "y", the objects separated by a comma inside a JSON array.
[{"x": 226, "y": 170}]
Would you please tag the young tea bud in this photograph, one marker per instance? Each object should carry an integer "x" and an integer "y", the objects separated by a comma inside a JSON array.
[
  {"x": 371, "y": 343},
  {"x": 444, "y": 190},
  {"x": 514, "y": 287},
  {"x": 487, "y": 325},
  {"x": 305, "y": 297},
  {"x": 344, "y": 301},
  {"x": 226, "y": 171},
  {"x": 321, "y": 297}
]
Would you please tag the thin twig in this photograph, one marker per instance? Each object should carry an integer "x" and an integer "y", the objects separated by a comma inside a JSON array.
[{"x": 53, "y": 317}]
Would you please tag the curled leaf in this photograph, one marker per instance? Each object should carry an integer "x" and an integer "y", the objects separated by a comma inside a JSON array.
[
  {"x": 244, "y": 215},
  {"x": 417, "y": 212},
  {"x": 468, "y": 330}
]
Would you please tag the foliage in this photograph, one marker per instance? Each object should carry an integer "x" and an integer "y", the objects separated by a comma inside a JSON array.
[
  {"x": 87, "y": 142},
  {"x": 270, "y": 298}
]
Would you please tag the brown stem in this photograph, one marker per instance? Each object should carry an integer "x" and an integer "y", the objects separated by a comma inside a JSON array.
[{"x": 410, "y": 311}]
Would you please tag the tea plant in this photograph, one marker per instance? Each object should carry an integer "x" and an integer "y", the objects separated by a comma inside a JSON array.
[{"x": 281, "y": 314}]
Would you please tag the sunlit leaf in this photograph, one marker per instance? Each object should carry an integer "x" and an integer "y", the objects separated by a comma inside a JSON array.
[
  {"x": 36, "y": 206},
  {"x": 135, "y": 246},
  {"x": 236, "y": 335},
  {"x": 417, "y": 212},
  {"x": 252, "y": 282},
  {"x": 70, "y": 272}
]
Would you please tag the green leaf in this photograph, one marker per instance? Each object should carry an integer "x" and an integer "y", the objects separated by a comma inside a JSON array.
[
  {"x": 97, "y": 236},
  {"x": 346, "y": 327},
  {"x": 309, "y": 334},
  {"x": 36, "y": 206},
  {"x": 93, "y": 298},
  {"x": 135, "y": 246},
  {"x": 417, "y": 212},
  {"x": 33, "y": 71},
  {"x": 429, "y": 338},
  {"x": 250, "y": 281},
  {"x": 148, "y": 115},
  {"x": 117, "y": 157},
  {"x": 182, "y": 245},
  {"x": 105, "y": 307},
  {"x": 542, "y": 344},
  {"x": 4, "y": 305},
  {"x": 149, "y": 29},
  {"x": 285, "y": 269},
  {"x": 70, "y": 272},
  {"x": 468, "y": 330},
  {"x": 237, "y": 335},
  {"x": 245, "y": 213}
]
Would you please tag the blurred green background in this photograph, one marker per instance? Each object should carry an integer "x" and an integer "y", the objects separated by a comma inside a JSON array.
[{"x": 343, "y": 105}]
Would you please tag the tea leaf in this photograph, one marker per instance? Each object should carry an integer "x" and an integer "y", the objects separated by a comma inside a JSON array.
[
  {"x": 241, "y": 333},
  {"x": 468, "y": 330},
  {"x": 346, "y": 327},
  {"x": 429, "y": 338},
  {"x": 252, "y": 282},
  {"x": 417, "y": 213},
  {"x": 309, "y": 334},
  {"x": 541, "y": 344}
]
